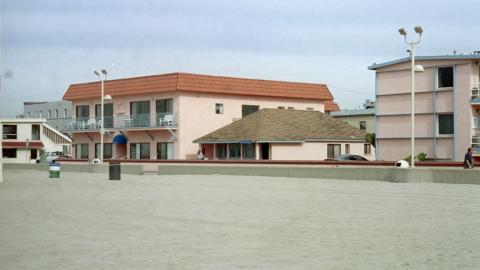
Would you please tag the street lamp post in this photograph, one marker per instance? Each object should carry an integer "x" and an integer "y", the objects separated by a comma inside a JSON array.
[
  {"x": 419, "y": 31},
  {"x": 103, "y": 97}
]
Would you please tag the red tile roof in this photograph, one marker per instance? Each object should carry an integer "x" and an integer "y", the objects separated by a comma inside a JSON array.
[
  {"x": 199, "y": 83},
  {"x": 331, "y": 106}
]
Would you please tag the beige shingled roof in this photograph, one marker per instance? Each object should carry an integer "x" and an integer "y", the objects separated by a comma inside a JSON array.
[{"x": 283, "y": 125}]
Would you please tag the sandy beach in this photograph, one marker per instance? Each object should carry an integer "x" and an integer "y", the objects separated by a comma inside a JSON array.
[{"x": 83, "y": 221}]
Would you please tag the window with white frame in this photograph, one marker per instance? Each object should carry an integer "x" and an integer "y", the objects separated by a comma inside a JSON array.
[
  {"x": 164, "y": 150},
  {"x": 333, "y": 150},
  {"x": 445, "y": 77},
  {"x": 81, "y": 150},
  {"x": 139, "y": 151},
  {"x": 9, "y": 132},
  {"x": 107, "y": 150},
  {"x": 445, "y": 124},
  {"x": 248, "y": 151},
  {"x": 367, "y": 149},
  {"x": 219, "y": 108}
]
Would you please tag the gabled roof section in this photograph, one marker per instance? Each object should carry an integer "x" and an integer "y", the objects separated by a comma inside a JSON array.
[
  {"x": 419, "y": 58},
  {"x": 199, "y": 83},
  {"x": 331, "y": 106},
  {"x": 284, "y": 125}
]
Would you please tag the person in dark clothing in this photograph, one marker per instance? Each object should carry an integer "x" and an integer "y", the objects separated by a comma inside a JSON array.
[{"x": 468, "y": 160}]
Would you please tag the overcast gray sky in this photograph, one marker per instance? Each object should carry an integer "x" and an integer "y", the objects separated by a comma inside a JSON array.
[{"x": 48, "y": 45}]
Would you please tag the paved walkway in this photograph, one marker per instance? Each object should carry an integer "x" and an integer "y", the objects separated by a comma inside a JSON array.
[{"x": 83, "y": 221}]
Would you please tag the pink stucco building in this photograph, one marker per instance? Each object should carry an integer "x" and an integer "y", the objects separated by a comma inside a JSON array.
[
  {"x": 158, "y": 117},
  {"x": 447, "y": 107}
]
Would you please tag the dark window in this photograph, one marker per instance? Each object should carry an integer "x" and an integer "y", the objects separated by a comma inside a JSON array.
[
  {"x": 9, "y": 153},
  {"x": 164, "y": 150},
  {"x": 347, "y": 148},
  {"x": 165, "y": 105},
  {"x": 140, "y": 113},
  {"x": 82, "y": 151},
  {"x": 139, "y": 151},
  {"x": 249, "y": 109},
  {"x": 280, "y": 107},
  {"x": 35, "y": 132},
  {"x": 367, "y": 149},
  {"x": 107, "y": 150},
  {"x": 9, "y": 132},
  {"x": 107, "y": 114},
  {"x": 219, "y": 108},
  {"x": 445, "y": 124},
  {"x": 363, "y": 125},
  {"x": 248, "y": 151},
  {"x": 445, "y": 77},
  {"x": 234, "y": 150},
  {"x": 83, "y": 112},
  {"x": 139, "y": 107},
  {"x": 333, "y": 150},
  {"x": 221, "y": 151},
  {"x": 33, "y": 154}
]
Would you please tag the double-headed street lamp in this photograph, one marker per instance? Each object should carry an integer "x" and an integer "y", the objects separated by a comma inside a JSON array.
[
  {"x": 103, "y": 98},
  {"x": 419, "y": 31}
]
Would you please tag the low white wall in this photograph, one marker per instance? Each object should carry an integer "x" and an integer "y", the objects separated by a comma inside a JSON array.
[{"x": 314, "y": 150}]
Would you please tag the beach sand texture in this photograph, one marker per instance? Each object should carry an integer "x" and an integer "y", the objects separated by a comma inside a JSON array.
[{"x": 84, "y": 221}]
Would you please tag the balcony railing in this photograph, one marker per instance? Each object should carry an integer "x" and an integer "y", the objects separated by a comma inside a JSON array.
[
  {"x": 475, "y": 98},
  {"x": 476, "y": 144},
  {"x": 134, "y": 121}
]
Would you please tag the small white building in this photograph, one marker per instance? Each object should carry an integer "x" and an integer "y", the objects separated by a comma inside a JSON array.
[{"x": 23, "y": 140}]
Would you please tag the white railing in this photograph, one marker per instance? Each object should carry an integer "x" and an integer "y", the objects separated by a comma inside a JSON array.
[
  {"x": 475, "y": 91},
  {"x": 476, "y": 144},
  {"x": 134, "y": 121}
]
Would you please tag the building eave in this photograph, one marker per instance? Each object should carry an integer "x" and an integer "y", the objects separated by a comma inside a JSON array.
[{"x": 420, "y": 58}]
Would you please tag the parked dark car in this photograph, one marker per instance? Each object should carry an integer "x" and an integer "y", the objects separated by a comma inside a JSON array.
[{"x": 350, "y": 158}]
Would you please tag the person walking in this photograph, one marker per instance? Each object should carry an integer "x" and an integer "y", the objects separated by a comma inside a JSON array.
[{"x": 468, "y": 160}]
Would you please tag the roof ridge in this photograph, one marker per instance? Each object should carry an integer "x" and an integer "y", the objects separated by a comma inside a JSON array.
[
  {"x": 203, "y": 75},
  {"x": 130, "y": 78},
  {"x": 256, "y": 79}
]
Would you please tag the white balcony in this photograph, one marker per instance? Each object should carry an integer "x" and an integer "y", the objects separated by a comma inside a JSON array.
[
  {"x": 476, "y": 145},
  {"x": 123, "y": 122},
  {"x": 475, "y": 94}
]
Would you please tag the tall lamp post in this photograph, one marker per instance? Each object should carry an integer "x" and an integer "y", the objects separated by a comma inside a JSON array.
[
  {"x": 419, "y": 31},
  {"x": 103, "y": 97}
]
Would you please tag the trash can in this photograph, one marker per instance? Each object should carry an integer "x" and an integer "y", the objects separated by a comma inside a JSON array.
[
  {"x": 54, "y": 170},
  {"x": 114, "y": 171},
  {"x": 402, "y": 164}
]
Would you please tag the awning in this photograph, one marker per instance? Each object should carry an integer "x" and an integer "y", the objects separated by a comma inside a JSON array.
[
  {"x": 22, "y": 144},
  {"x": 120, "y": 139}
]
